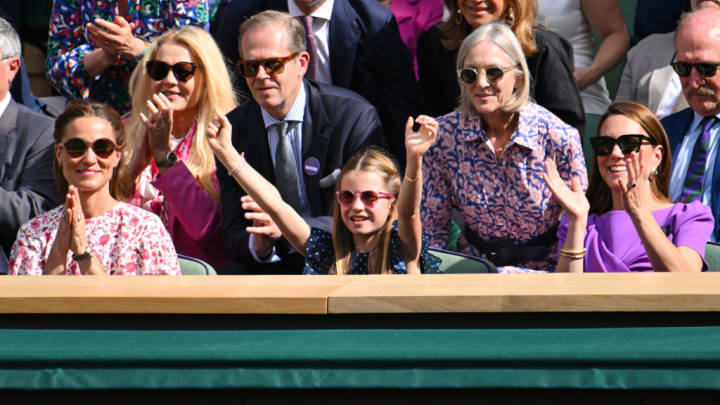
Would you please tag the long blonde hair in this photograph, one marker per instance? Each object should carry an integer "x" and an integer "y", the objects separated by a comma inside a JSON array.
[
  {"x": 375, "y": 161},
  {"x": 217, "y": 96}
]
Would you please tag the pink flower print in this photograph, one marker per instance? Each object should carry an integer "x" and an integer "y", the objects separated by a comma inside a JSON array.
[{"x": 104, "y": 239}]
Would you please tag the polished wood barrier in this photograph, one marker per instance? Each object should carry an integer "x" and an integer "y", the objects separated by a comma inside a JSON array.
[{"x": 648, "y": 292}]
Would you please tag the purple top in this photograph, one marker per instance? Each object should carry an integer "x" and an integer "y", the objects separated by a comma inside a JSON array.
[
  {"x": 613, "y": 244},
  {"x": 413, "y": 17}
]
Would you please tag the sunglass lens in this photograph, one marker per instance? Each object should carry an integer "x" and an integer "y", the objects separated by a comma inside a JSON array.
[
  {"x": 346, "y": 197},
  {"x": 706, "y": 69},
  {"x": 602, "y": 146},
  {"x": 273, "y": 66},
  {"x": 75, "y": 147},
  {"x": 183, "y": 71},
  {"x": 629, "y": 144},
  {"x": 494, "y": 74},
  {"x": 103, "y": 148},
  {"x": 468, "y": 76},
  {"x": 157, "y": 70},
  {"x": 369, "y": 197}
]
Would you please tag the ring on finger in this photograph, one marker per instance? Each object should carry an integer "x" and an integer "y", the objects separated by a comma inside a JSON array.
[{"x": 633, "y": 184}]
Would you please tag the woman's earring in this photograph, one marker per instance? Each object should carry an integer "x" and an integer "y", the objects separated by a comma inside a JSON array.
[
  {"x": 458, "y": 17},
  {"x": 653, "y": 173},
  {"x": 510, "y": 17}
]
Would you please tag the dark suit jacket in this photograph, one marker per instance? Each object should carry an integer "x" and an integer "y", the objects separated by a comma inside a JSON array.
[
  {"x": 337, "y": 124},
  {"x": 367, "y": 55},
  {"x": 552, "y": 86},
  {"x": 676, "y": 126},
  {"x": 27, "y": 187}
]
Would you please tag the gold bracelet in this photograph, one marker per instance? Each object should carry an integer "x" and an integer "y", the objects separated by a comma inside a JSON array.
[
  {"x": 410, "y": 180},
  {"x": 573, "y": 253}
]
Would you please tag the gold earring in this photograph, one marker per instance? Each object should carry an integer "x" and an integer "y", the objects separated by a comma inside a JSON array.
[
  {"x": 510, "y": 16},
  {"x": 653, "y": 173}
]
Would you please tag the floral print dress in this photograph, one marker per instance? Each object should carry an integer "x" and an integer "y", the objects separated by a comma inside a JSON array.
[
  {"x": 128, "y": 241},
  {"x": 69, "y": 42}
]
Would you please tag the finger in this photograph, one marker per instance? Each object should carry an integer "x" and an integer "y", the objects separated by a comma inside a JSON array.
[
  {"x": 409, "y": 125},
  {"x": 261, "y": 230},
  {"x": 165, "y": 103},
  {"x": 212, "y": 130},
  {"x": 252, "y": 206},
  {"x": 107, "y": 25},
  {"x": 629, "y": 164},
  {"x": 151, "y": 106},
  {"x": 159, "y": 102},
  {"x": 575, "y": 183},
  {"x": 121, "y": 21},
  {"x": 247, "y": 198},
  {"x": 259, "y": 216},
  {"x": 623, "y": 185}
]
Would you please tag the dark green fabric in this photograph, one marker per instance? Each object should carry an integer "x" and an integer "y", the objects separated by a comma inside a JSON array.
[{"x": 606, "y": 358}]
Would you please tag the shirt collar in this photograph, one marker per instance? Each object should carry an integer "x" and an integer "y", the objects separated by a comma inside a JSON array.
[
  {"x": 4, "y": 103},
  {"x": 324, "y": 11},
  {"x": 296, "y": 113},
  {"x": 695, "y": 124},
  {"x": 526, "y": 134}
]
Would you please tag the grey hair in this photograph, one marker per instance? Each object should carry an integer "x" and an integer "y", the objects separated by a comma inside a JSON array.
[
  {"x": 10, "y": 45},
  {"x": 503, "y": 37},
  {"x": 295, "y": 30}
]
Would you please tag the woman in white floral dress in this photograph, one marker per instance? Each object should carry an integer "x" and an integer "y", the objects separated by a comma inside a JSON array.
[{"x": 92, "y": 232}]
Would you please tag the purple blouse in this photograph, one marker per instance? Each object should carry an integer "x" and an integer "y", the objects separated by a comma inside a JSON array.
[
  {"x": 505, "y": 197},
  {"x": 613, "y": 244}
]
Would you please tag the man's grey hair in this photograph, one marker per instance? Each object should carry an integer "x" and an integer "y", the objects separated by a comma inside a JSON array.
[
  {"x": 10, "y": 45},
  {"x": 295, "y": 30}
]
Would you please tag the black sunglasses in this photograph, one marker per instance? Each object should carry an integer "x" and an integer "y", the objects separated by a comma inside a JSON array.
[
  {"x": 604, "y": 145},
  {"x": 346, "y": 197},
  {"x": 76, "y": 147},
  {"x": 183, "y": 71},
  {"x": 683, "y": 69},
  {"x": 250, "y": 68},
  {"x": 469, "y": 75}
]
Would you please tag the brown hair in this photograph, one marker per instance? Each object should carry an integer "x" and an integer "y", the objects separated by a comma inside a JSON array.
[
  {"x": 295, "y": 30},
  {"x": 598, "y": 193},
  {"x": 519, "y": 14},
  {"x": 376, "y": 161},
  {"x": 79, "y": 109}
]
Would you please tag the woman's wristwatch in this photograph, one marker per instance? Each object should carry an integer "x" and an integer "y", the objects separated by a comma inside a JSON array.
[
  {"x": 169, "y": 160},
  {"x": 87, "y": 254}
]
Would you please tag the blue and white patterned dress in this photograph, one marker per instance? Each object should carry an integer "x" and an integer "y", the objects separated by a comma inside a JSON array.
[
  {"x": 320, "y": 255},
  {"x": 504, "y": 196}
]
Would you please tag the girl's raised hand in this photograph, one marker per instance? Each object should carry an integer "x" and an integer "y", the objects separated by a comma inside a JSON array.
[
  {"x": 159, "y": 125},
  {"x": 417, "y": 143},
  {"x": 219, "y": 136},
  {"x": 573, "y": 200}
]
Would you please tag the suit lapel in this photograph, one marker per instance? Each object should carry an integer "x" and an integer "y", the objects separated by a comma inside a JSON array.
[
  {"x": 316, "y": 136},
  {"x": 253, "y": 141},
  {"x": 344, "y": 37},
  {"x": 8, "y": 123}
]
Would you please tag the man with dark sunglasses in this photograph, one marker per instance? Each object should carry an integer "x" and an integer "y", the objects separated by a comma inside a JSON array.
[
  {"x": 297, "y": 133},
  {"x": 694, "y": 133},
  {"x": 27, "y": 188},
  {"x": 357, "y": 46}
]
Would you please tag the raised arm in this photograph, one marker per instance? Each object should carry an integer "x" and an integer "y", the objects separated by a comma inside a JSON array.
[
  {"x": 606, "y": 19},
  {"x": 409, "y": 224},
  {"x": 291, "y": 224}
]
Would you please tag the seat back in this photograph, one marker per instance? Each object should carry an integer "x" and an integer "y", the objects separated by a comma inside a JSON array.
[
  {"x": 456, "y": 263},
  {"x": 712, "y": 256},
  {"x": 190, "y": 266}
]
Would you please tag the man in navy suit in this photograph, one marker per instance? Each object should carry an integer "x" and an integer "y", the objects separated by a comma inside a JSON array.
[
  {"x": 359, "y": 48},
  {"x": 697, "y": 47},
  {"x": 27, "y": 188},
  {"x": 325, "y": 125}
]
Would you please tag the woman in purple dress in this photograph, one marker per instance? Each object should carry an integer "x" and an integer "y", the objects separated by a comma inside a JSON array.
[{"x": 626, "y": 221}]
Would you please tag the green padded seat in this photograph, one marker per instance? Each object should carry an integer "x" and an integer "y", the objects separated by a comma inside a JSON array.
[
  {"x": 190, "y": 266},
  {"x": 712, "y": 256}
]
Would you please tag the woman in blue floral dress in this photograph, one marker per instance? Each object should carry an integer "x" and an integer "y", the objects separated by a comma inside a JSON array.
[
  {"x": 94, "y": 45},
  {"x": 488, "y": 160}
]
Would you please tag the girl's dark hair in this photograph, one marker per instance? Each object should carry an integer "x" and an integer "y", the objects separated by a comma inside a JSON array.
[
  {"x": 79, "y": 109},
  {"x": 598, "y": 193}
]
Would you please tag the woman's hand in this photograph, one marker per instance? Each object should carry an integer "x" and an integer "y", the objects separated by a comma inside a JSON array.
[
  {"x": 417, "y": 143},
  {"x": 263, "y": 227},
  {"x": 158, "y": 126},
  {"x": 219, "y": 135},
  {"x": 78, "y": 236},
  {"x": 116, "y": 38},
  {"x": 637, "y": 193},
  {"x": 573, "y": 200}
]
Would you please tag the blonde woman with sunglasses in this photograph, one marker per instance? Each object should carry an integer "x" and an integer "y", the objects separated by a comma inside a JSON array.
[
  {"x": 176, "y": 89},
  {"x": 92, "y": 233}
]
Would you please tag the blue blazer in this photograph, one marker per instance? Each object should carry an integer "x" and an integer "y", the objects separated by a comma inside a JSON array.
[
  {"x": 676, "y": 126},
  {"x": 367, "y": 55},
  {"x": 337, "y": 124}
]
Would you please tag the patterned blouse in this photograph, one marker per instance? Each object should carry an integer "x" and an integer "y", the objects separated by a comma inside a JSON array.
[
  {"x": 320, "y": 257},
  {"x": 499, "y": 196},
  {"x": 128, "y": 241},
  {"x": 69, "y": 41}
]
